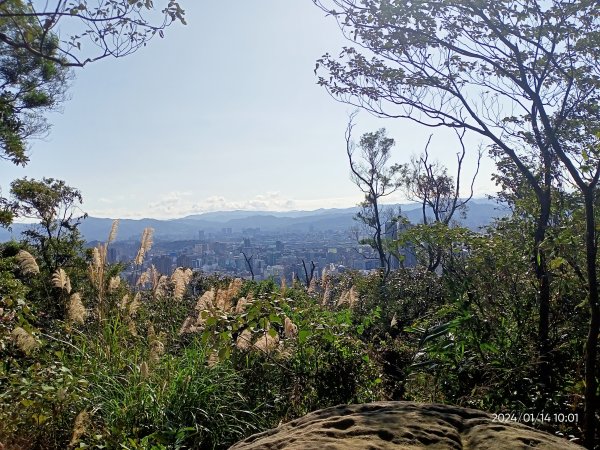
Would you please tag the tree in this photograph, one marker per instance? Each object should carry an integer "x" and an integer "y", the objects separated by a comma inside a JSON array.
[
  {"x": 249, "y": 264},
  {"x": 55, "y": 206},
  {"x": 96, "y": 29},
  {"x": 523, "y": 75},
  {"x": 429, "y": 184},
  {"x": 30, "y": 85},
  {"x": 34, "y": 61},
  {"x": 308, "y": 278},
  {"x": 376, "y": 180}
]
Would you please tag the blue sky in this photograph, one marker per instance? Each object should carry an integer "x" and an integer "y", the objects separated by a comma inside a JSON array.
[{"x": 223, "y": 113}]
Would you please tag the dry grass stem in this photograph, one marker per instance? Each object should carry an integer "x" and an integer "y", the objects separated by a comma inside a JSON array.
[
  {"x": 206, "y": 301},
  {"x": 212, "y": 359},
  {"x": 224, "y": 297},
  {"x": 327, "y": 294},
  {"x": 283, "y": 284},
  {"x": 312, "y": 287},
  {"x": 144, "y": 370},
  {"x": 124, "y": 302},
  {"x": 131, "y": 327},
  {"x": 144, "y": 277},
  {"x": 157, "y": 349},
  {"x": 242, "y": 303},
  {"x": 349, "y": 297},
  {"x": 188, "y": 326},
  {"x": 161, "y": 287}
]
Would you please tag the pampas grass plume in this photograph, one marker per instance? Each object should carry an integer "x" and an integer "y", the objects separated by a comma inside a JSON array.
[
  {"x": 82, "y": 422},
  {"x": 27, "y": 263},
  {"x": 290, "y": 329},
  {"x": 144, "y": 370},
  {"x": 244, "y": 340},
  {"x": 145, "y": 246},
  {"x": 76, "y": 311},
  {"x": 179, "y": 283},
  {"x": 266, "y": 342},
  {"x": 114, "y": 283},
  {"x": 134, "y": 305},
  {"x": 25, "y": 341},
  {"x": 113, "y": 231},
  {"x": 61, "y": 280}
]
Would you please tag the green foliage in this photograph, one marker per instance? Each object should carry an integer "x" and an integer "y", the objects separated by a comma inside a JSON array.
[
  {"x": 31, "y": 84},
  {"x": 96, "y": 29},
  {"x": 203, "y": 371}
]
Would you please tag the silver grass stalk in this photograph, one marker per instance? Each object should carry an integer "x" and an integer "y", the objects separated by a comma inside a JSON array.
[
  {"x": 25, "y": 341},
  {"x": 27, "y": 263},
  {"x": 113, "y": 231},
  {"x": 114, "y": 283},
  {"x": 61, "y": 280},
  {"x": 76, "y": 311},
  {"x": 81, "y": 425}
]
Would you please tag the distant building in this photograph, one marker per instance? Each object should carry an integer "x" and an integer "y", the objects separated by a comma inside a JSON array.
[
  {"x": 184, "y": 261},
  {"x": 275, "y": 271},
  {"x": 406, "y": 253},
  {"x": 164, "y": 264},
  {"x": 112, "y": 255}
]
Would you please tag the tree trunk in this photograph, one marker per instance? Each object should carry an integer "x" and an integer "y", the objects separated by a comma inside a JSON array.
[
  {"x": 541, "y": 271},
  {"x": 591, "y": 349}
]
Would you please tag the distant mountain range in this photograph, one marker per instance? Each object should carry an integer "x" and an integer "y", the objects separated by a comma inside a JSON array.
[{"x": 480, "y": 213}]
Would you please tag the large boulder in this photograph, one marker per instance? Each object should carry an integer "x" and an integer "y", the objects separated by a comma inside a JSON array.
[{"x": 402, "y": 425}]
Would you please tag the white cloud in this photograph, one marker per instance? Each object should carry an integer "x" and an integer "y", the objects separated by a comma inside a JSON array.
[{"x": 177, "y": 204}]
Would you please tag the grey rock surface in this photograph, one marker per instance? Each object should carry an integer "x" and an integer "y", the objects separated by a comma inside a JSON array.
[{"x": 402, "y": 425}]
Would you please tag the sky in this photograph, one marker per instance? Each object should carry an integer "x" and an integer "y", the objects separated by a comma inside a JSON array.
[{"x": 223, "y": 113}]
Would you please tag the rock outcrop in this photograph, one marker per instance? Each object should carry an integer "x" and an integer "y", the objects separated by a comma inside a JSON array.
[{"x": 402, "y": 425}]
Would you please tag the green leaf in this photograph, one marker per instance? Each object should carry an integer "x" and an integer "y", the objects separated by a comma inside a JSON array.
[{"x": 303, "y": 335}]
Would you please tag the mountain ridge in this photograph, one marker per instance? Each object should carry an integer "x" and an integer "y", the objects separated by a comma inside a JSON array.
[{"x": 480, "y": 213}]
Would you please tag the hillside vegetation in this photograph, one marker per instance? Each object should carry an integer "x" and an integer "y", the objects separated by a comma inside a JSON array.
[{"x": 89, "y": 360}]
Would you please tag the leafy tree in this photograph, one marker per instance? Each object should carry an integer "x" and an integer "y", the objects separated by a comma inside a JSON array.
[
  {"x": 55, "y": 205},
  {"x": 30, "y": 85},
  {"x": 376, "y": 180},
  {"x": 34, "y": 61},
  {"x": 522, "y": 75},
  {"x": 429, "y": 184},
  {"x": 96, "y": 29}
]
